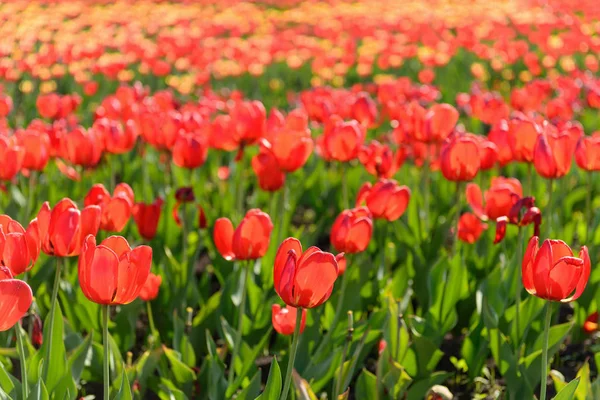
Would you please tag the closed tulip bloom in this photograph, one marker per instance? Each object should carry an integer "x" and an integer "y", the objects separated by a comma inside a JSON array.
[
  {"x": 160, "y": 130},
  {"x": 591, "y": 323},
  {"x": 284, "y": 319},
  {"x": 63, "y": 229},
  {"x": 522, "y": 137},
  {"x": 19, "y": 248},
  {"x": 378, "y": 159},
  {"x": 551, "y": 271},
  {"x": 250, "y": 120},
  {"x": 499, "y": 199},
  {"x": 352, "y": 229},
  {"x": 15, "y": 299},
  {"x": 587, "y": 152},
  {"x": 552, "y": 155},
  {"x": 116, "y": 209},
  {"x": 112, "y": 272},
  {"x": 499, "y": 136},
  {"x": 249, "y": 241},
  {"x": 440, "y": 121},
  {"x": 146, "y": 217},
  {"x": 488, "y": 154},
  {"x": 460, "y": 158},
  {"x": 189, "y": 151},
  {"x": 48, "y": 105},
  {"x": 36, "y": 148},
  {"x": 150, "y": 289},
  {"x": 364, "y": 110},
  {"x": 11, "y": 159},
  {"x": 303, "y": 279},
  {"x": 270, "y": 177},
  {"x": 470, "y": 228},
  {"x": 386, "y": 199},
  {"x": 82, "y": 147},
  {"x": 117, "y": 139},
  {"x": 344, "y": 141}
]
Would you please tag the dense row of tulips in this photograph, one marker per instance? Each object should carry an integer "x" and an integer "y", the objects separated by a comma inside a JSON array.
[{"x": 388, "y": 227}]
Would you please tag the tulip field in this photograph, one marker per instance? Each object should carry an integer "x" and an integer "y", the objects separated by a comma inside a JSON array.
[{"x": 299, "y": 200}]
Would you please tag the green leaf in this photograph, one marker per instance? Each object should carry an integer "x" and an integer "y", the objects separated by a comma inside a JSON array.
[
  {"x": 39, "y": 391},
  {"x": 188, "y": 355},
  {"x": 273, "y": 387},
  {"x": 252, "y": 390},
  {"x": 124, "y": 392},
  {"x": 366, "y": 385},
  {"x": 584, "y": 391},
  {"x": 79, "y": 356},
  {"x": 182, "y": 373},
  {"x": 7, "y": 382},
  {"x": 568, "y": 392}
]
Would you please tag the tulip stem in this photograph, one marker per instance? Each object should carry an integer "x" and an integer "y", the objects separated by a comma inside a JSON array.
[
  {"x": 29, "y": 205},
  {"x": 184, "y": 256},
  {"x": 588, "y": 208},
  {"x": 106, "y": 352},
  {"x": 239, "y": 202},
  {"x": 22, "y": 359},
  {"x": 345, "y": 188},
  {"x": 382, "y": 267},
  {"x": 151, "y": 321},
  {"x": 426, "y": 184},
  {"x": 281, "y": 212},
  {"x": 338, "y": 385},
  {"x": 545, "y": 351},
  {"x": 518, "y": 288},
  {"x": 293, "y": 350},
  {"x": 550, "y": 210},
  {"x": 54, "y": 300},
  {"x": 238, "y": 333}
]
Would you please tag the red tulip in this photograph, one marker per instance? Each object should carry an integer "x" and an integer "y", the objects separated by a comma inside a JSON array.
[
  {"x": 551, "y": 272},
  {"x": 82, "y": 147},
  {"x": 6, "y": 105},
  {"x": 591, "y": 323},
  {"x": 36, "y": 148},
  {"x": 189, "y": 151},
  {"x": 499, "y": 136},
  {"x": 460, "y": 158},
  {"x": 183, "y": 195},
  {"x": 306, "y": 279},
  {"x": 116, "y": 209},
  {"x": 249, "y": 241},
  {"x": 146, "y": 217},
  {"x": 342, "y": 141},
  {"x": 587, "y": 152},
  {"x": 470, "y": 228},
  {"x": 19, "y": 248},
  {"x": 352, "y": 230},
  {"x": 150, "y": 289},
  {"x": 117, "y": 140},
  {"x": 15, "y": 299},
  {"x": 386, "y": 199},
  {"x": 341, "y": 261},
  {"x": 522, "y": 136},
  {"x": 11, "y": 159},
  {"x": 291, "y": 148},
  {"x": 284, "y": 319},
  {"x": 161, "y": 129},
  {"x": 499, "y": 199},
  {"x": 62, "y": 229},
  {"x": 552, "y": 155},
  {"x": 265, "y": 166},
  {"x": 112, "y": 272},
  {"x": 440, "y": 121},
  {"x": 364, "y": 110},
  {"x": 48, "y": 105},
  {"x": 488, "y": 154},
  {"x": 378, "y": 160}
]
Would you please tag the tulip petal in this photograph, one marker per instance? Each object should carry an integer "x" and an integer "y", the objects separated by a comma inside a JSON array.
[
  {"x": 527, "y": 265},
  {"x": 314, "y": 279},
  {"x": 541, "y": 269},
  {"x": 98, "y": 268},
  {"x": 563, "y": 278},
  {"x": 133, "y": 271},
  {"x": 15, "y": 300},
  {"x": 475, "y": 200},
  {"x": 223, "y": 238},
  {"x": 584, "y": 277},
  {"x": 282, "y": 255}
]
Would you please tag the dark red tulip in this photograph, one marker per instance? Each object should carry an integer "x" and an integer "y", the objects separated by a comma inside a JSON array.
[
  {"x": 587, "y": 152},
  {"x": 386, "y": 199},
  {"x": 522, "y": 213},
  {"x": 15, "y": 299},
  {"x": 470, "y": 228},
  {"x": 116, "y": 209},
  {"x": 460, "y": 158},
  {"x": 146, "y": 217},
  {"x": 183, "y": 195},
  {"x": 551, "y": 271},
  {"x": 306, "y": 279},
  {"x": 37, "y": 333},
  {"x": 249, "y": 241},
  {"x": 202, "y": 222},
  {"x": 352, "y": 229},
  {"x": 63, "y": 228},
  {"x": 190, "y": 151},
  {"x": 113, "y": 273},
  {"x": 150, "y": 289},
  {"x": 284, "y": 319}
]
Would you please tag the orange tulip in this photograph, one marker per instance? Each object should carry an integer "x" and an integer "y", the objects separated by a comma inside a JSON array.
[
  {"x": 146, "y": 217},
  {"x": 116, "y": 209},
  {"x": 249, "y": 241},
  {"x": 591, "y": 323},
  {"x": 15, "y": 299},
  {"x": 460, "y": 158},
  {"x": 306, "y": 279},
  {"x": 386, "y": 199},
  {"x": 113, "y": 273},
  {"x": 63, "y": 228},
  {"x": 352, "y": 229},
  {"x": 551, "y": 272},
  {"x": 587, "y": 152},
  {"x": 150, "y": 289},
  {"x": 284, "y": 319}
]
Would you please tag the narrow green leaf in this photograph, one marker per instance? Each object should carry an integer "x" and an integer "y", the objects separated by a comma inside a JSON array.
[
  {"x": 273, "y": 387},
  {"x": 568, "y": 392}
]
